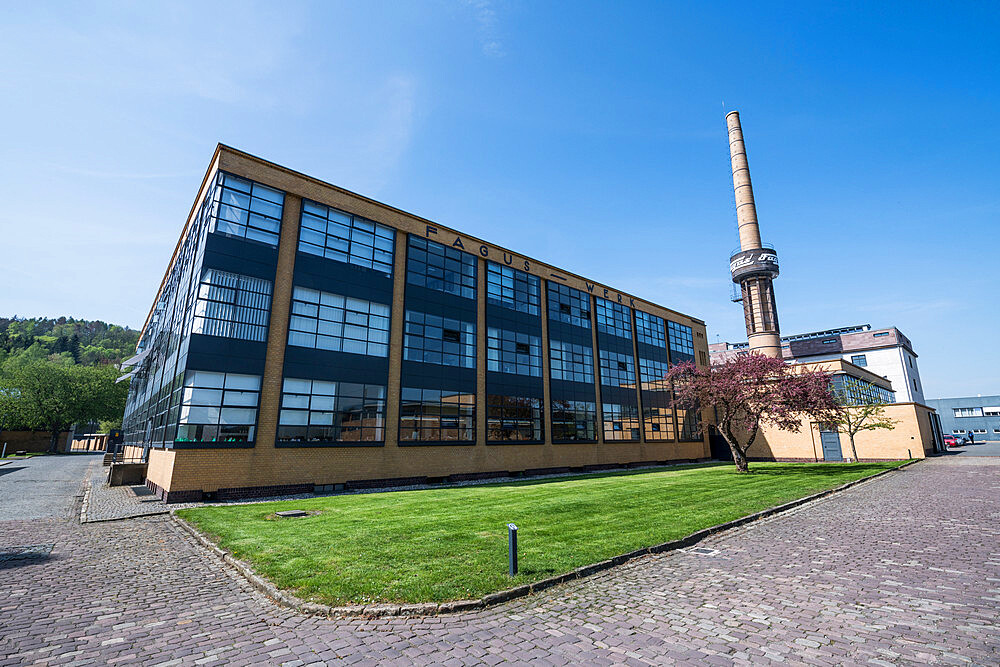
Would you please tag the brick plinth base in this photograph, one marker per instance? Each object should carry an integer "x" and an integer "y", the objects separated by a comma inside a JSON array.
[{"x": 247, "y": 492}]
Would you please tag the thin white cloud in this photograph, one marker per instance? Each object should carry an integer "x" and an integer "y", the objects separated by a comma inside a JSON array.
[{"x": 488, "y": 28}]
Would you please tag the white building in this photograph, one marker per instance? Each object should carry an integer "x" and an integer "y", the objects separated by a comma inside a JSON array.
[{"x": 885, "y": 352}]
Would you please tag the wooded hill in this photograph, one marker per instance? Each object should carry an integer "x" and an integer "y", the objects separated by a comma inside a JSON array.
[{"x": 65, "y": 341}]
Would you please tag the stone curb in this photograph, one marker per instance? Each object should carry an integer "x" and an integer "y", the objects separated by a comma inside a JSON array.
[
  {"x": 85, "y": 504},
  {"x": 126, "y": 518},
  {"x": 430, "y": 609}
]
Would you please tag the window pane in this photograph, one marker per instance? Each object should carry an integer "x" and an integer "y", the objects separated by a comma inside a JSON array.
[{"x": 238, "y": 416}]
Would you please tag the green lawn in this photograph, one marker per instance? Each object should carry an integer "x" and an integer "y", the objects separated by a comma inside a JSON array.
[{"x": 451, "y": 543}]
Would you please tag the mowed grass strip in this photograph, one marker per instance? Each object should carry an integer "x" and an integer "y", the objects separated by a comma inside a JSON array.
[{"x": 451, "y": 543}]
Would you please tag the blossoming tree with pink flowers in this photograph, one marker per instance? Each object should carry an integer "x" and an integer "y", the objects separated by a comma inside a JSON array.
[{"x": 751, "y": 391}]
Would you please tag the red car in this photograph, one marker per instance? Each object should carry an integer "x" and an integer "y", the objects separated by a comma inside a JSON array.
[{"x": 951, "y": 441}]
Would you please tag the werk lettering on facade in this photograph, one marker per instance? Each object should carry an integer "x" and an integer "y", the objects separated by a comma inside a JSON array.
[{"x": 510, "y": 259}]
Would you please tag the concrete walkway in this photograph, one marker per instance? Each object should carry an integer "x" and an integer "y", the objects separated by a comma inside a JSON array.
[
  {"x": 978, "y": 449},
  {"x": 901, "y": 570}
]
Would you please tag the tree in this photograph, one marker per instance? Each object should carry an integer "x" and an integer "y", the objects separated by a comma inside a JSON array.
[
  {"x": 866, "y": 416},
  {"x": 45, "y": 396},
  {"x": 751, "y": 391}
]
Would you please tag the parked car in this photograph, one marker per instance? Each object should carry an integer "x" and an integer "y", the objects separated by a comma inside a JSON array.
[{"x": 952, "y": 441}]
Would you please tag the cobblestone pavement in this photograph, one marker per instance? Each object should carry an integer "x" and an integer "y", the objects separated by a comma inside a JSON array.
[
  {"x": 901, "y": 570},
  {"x": 104, "y": 503}
]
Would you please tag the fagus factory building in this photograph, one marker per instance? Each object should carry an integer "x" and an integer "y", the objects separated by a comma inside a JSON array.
[{"x": 305, "y": 337}]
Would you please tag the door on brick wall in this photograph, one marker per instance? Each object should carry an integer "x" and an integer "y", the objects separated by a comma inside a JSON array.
[
  {"x": 719, "y": 447},
  {"x": 831, "y": 445}
]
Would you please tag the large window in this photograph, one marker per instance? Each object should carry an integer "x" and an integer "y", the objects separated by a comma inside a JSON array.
[
  {"x": 650, "y": 329},
  {"x": 652, "y": 373},
  {"x": 333, "y": 322},
  {"x": 218, "y": 407},
  {"x": 681, "y": 342},
  {"x": 658, "y": 421},
  {"x": 513, "y": 418},
  {"x": 512, "y": 288},
  {"x": 571, "y": 362},
  {"x": 435, "y": 266},
  {"x": 689, "y": 422},
  {"x": 232, "y": 305},
  {"x": 569, "y": 305},
  {"x": 859, "y": 360},
  {"x": 513, "y": 352},
  {"x": 317, "y": 411},
  {"x": 617, "y": 369},
  {"x": 247, "y": 209},
  {"x": 856, "y": 391},
  {"x": 621, "y": 422},
  {"x": 574, "y": 420},
  {"x": 343, "y": 237},
  {"x": 439, "y": 340},
  {"x": 437, "y": 415},
  {"x": 968, "y": 412},
  {"x": 614, "y": 318}
]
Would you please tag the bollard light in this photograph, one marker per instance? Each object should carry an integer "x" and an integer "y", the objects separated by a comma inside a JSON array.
[{"x": 512, "y": 548}]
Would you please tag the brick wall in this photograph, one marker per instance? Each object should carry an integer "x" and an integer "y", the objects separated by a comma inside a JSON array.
[
  {"x": 30, "y": 441},
  {"x": 911, "y": 437},
  {"x": 209, "y": 470}
]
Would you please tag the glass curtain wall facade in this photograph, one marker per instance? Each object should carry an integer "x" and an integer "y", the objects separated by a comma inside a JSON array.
[
  {"x": 619, "y": 398},
  {"x": 377, "y": 313},
  {"x": 857, "y": 391},
  {"x": 656, "y": 393},
  {"x": 336, "y": 367},
  {"x": 571, "y": 365},
  {"x": 680, "y": 338},
  {"x": 209, "y": 323},
  {"x": 438, "y": 371},
  {"x": 514, "y": 389}
]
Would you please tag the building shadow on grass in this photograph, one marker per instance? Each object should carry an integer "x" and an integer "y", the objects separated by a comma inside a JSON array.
[
  {"x": 572, "y": 476},
  {"x": 819, "y": 469}
]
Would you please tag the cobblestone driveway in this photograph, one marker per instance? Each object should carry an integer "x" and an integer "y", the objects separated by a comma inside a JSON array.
[{"x": 905, "y": 569}]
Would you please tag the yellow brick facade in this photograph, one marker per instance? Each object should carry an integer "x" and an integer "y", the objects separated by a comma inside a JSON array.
[{"x": 912, "y": 435}]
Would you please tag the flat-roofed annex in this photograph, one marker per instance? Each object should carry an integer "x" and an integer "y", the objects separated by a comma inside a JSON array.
[{"x": 250, "y": 166}]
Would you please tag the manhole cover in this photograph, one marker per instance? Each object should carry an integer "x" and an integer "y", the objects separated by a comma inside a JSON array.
[
  {"x": 288, "y": 514},
  {"x": 29, "y": 552},
  {"x": 703, "y": 551}
]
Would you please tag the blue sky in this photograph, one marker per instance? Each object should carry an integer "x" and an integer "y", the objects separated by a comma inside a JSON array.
[{"x": 588, "y": 135}]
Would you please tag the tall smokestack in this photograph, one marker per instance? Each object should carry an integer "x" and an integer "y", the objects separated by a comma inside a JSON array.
[{"x": 753, "y": 266}]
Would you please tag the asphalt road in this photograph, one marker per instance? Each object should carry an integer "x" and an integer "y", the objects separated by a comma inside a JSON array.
[
  {"x": 978, "y": 449},
  {"x": 42, "y": 487}
]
